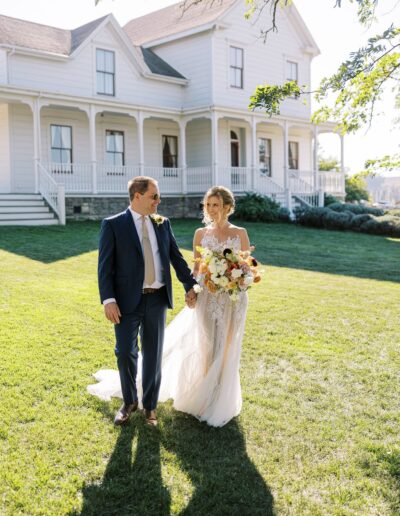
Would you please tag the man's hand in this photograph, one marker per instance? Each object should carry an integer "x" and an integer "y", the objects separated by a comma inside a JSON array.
[
  {"x": 191, "y": 298},
  {"x": 112, "y": 312}
]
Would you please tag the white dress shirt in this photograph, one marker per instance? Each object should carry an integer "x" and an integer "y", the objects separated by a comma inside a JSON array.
[{"x": 159, "y": 271}]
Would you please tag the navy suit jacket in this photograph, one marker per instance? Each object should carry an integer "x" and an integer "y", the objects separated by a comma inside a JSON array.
[{"x": 121, "y": 264}]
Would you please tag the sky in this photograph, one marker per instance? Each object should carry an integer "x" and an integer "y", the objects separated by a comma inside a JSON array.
[{"x": 335, "y": 30}]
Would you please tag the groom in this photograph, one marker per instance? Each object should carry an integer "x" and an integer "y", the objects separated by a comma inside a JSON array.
[{"x": 135, "y": 251}]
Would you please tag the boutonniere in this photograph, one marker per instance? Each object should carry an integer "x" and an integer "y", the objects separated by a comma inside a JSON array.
[{"x": 158, "y": 219}]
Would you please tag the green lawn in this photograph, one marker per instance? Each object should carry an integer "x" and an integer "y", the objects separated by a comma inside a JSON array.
[{"x": 319, "y": 430}]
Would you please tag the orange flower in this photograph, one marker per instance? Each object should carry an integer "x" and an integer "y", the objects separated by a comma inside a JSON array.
[
  {"x": 203, "y": 268},
  {"x": 212, "y": 287},
  {"x": 257, "y": 278}
]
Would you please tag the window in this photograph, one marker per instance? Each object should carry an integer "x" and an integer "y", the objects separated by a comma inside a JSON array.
[
  {"x": 264, "y": 156},
  {"x": 293, "y": 155},
  {"x": 170, "y": 154},
  {"x": 105, "y": 72},
  {"x": 115, "y": 154},
  {"x": 292, "y": 71},
  {"x": 61, "y": 147},
  {"x": 236, "y": 67},
  {"x": 235, "y": 156}
]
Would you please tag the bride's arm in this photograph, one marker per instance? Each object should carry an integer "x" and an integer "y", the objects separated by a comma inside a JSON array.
[
  {"x": 197, "y": 241},
  {"x": 244, "y": 240}
]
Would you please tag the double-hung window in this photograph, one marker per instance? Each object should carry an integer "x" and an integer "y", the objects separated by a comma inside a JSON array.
[
  {"x": 115, "y": 152},
  {"x": 61, "y": 148},
  {"x": 236, "y": 67},
  {"x": 294, "y": 155},
  {"x": 105, "y": 72},
  {"x": 264, "y": 156},
  {"x": 170, "y": 155},
  {"x": 292, "y": 71}
]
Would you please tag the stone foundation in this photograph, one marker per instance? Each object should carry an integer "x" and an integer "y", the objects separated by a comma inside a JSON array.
[{"x": 97, "y": 208}]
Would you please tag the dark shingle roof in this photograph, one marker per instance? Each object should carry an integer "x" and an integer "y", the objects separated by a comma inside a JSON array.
[
  {"x": 172, "y": 20},
  {"x": 158, "y": 65}
]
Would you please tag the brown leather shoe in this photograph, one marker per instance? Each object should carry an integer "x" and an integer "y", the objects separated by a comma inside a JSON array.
[
  {"x": 151, "y": 417},
  {"x": 124, "y": 413}
]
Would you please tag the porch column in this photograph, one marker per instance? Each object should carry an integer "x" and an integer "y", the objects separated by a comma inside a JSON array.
[
  {"x": 214, "y": 147},
  {"x": 182, "y": 152},
  {"x": 93, "y": 161},
  {"x": 37, "y": 144},
  {"x": 315, "y": 159},
  {"x": 286, "y": 182},
  {"x": 140, "y": 123},
  {"x": 342, "y": 171},
  {"x": 253, "y": 153}
]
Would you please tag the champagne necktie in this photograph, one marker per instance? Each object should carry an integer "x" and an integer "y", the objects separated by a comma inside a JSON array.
[{"x": 149, "y": 272}]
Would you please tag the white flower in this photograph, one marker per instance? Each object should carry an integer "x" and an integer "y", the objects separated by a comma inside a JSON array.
[
  {"x": 223, "y": 281},
  {"x": 236, "y": 273},
  {"x": 212, "y": 266},
  {"x": 248, "y": 280},
  {"x": 197, "y": 288},
  {"x": 215, "y": 279}
]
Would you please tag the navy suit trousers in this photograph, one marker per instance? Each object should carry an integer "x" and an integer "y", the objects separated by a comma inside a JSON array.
[{"x": 147, "y": 321}]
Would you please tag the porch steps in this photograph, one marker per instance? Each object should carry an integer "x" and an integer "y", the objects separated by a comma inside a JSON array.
[{"x": 25, "y": 210}]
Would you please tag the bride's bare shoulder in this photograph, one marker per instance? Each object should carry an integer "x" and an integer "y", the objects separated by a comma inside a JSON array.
[
  {"x": 237, "y": 230},
  {"x": 198, "y": 234}
]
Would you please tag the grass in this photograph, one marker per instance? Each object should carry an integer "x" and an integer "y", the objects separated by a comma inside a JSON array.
[{"x": 319, "y": 429}]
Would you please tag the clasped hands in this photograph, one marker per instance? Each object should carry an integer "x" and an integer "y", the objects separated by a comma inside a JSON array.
[{"x": 191, "y": 298}]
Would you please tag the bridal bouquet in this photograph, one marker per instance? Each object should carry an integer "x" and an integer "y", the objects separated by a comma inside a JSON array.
[{"x": 227, "y": 271}]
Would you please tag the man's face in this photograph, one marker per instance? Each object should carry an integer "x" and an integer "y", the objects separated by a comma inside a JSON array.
[{"x": 147, "y": 203}]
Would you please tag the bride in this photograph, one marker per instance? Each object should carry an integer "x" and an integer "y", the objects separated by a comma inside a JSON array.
[{"x": 200, "y": 366}]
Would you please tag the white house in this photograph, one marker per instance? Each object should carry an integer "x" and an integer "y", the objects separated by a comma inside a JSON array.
[{"x": 83, "y": 111}]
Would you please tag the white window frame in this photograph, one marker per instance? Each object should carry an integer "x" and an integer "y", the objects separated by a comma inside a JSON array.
[
  {"x": 112, "y": 51},
  {"x": 263, "y": 172},
  {"x": 235, "y": 46}
]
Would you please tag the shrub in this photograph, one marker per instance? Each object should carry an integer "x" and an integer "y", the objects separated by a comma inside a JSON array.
[
  {"x": 255, "y": 207},
  {"x": 334, "y": 220},
  {"x": 284, "y": 215},
  {"x": 329, "y": 199},
  {"x": 358, "y": 220},
  {"x": 357, "y": 209},
  {"x": 395, "y": 212},
  {"x": 310, "y": 216},
  {"x": 387, "y": 225}
]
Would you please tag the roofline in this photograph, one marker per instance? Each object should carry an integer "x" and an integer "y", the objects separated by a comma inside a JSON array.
[
  {"x": 34, "y": 52},
  {"x": 312, "y": 47},
  {"x": 184, "y": 34}
]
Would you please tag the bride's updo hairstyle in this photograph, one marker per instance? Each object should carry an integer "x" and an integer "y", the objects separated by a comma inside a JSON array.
[{"x": 222, "y": 193}]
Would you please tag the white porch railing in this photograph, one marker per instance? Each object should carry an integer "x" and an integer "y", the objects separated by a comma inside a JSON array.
[
  {"x": 303, "y": 190},
  {"x": 238, "y": 179},
  {"x": 114, "y": 179},
  {"x": 199, "y": 179},
  {"x": 76, "y": 177},
  {"x": 170, "y": 180},
  {"x": 52, "y": 192},
  {"x": 332, "y": 182}
]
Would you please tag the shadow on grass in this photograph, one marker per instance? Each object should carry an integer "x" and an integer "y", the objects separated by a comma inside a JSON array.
[
  {"x": 280, "y": 245},
  {"x": 49, "y": 244},
  {"x": 385, "y": 464},
  {"x": 223, "y": 479}
]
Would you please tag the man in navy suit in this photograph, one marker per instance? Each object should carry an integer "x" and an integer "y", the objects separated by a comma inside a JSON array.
[{"x": 135, "y": 251}]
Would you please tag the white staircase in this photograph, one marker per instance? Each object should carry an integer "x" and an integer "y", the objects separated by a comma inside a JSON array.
[{"x": 25, "y": 210}]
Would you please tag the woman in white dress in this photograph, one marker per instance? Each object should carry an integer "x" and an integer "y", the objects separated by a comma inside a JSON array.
[{"x": 202, "y": 346}]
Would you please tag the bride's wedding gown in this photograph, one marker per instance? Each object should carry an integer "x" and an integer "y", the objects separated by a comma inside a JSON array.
[{"x": 200, "y": 368}]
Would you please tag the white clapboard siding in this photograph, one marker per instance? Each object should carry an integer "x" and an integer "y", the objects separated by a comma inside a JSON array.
[
  {"x": 79, "y": 123},
  {"x": 198, "y": 143},
  {"x": 5, "y": 166},
  {"x": 21, "y": 148},
  {"x": 262, "y": 62},
  {"x": 3, "y": 66},
  {"x": 77, "y": 76},
  {"x": 192, "y": 58}
]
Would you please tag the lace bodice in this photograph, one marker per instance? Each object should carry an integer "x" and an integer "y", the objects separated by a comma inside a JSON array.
[{"x": 210, "y": 241}]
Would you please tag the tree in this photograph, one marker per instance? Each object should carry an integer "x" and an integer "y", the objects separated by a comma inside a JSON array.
[{"x": 356, "y": 188}]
